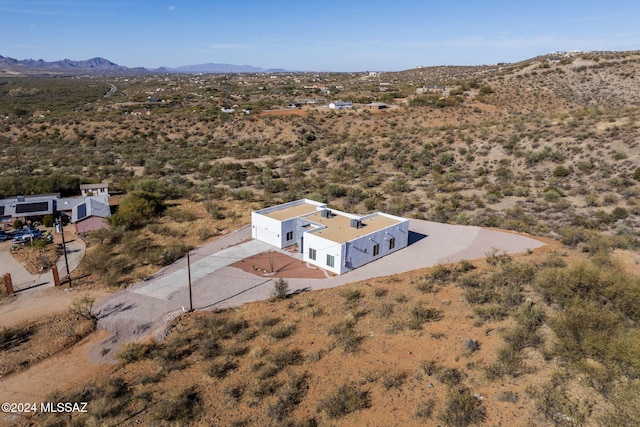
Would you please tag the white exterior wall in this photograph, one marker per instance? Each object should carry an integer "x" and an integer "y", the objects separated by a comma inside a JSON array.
[
  {"x": 359, "y": 252},
  {"x": 266, "y": 229},
  {"x": 273, "y": 231},
  {"x": 323, "y": 248},
  {"x": 288, "y": 226}
]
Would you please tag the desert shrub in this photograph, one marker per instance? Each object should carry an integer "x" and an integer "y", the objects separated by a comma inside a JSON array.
[
  {"x": 554, "y": 404},
  {"x": 172, "y": 252},
  {"x": 346, "y": 336},
  {"x": 385, "y": 310},
  {"x": 507, "y": 396},
  {"x": 393, "y": 380},
  {"x": 282, "y": 332},
  {"x": 493, "y": 313},
  {"x": 215, "y": 210},
  {"x": 220, "y": 368},
  {"x": 425, "y": 409},
  {"x": 280, "y": 289},
  {"x": 284, "y": 357},
  {"x": 471, "y": 346},
  {"x": 482, "y": 295},
  {"x": 112, "y": 395},
  {"x": 47, "y": 220},
  {"x": 440, "y": 274},
  {"x": 429, "y": 367},
  {"x": 380, "y": 292},
  {"x": 220, "y": 327},
  {"x": 136, "y": 209},
  {"x": 419, "y": 314},
  {"x": 83, "y": 307},
  {"x": 344, "y": 400},
  {"x": 133, "y": 352},
  {"x": 180, "y": 407},
  {"x": 464, "y": 266},
  {"x": 288, "y": 397},
  {"x": 525, "y": 334},
  {"x": 180, "y": 215},
  {"x": 449, "y": 377},
  {"x": 351, "y": 296},
  {"x": 561, "y": 172},
  {"x": 462, "y": 409},
  {"x": 623, "y": 406},
  {"x": 494, "y": 257}
]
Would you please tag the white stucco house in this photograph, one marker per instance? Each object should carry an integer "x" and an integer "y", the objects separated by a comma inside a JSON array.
[
  {"x": 340, "y": 105},
  {"x": 101, "y": 189},
  {"x": 333, "y": 240}
]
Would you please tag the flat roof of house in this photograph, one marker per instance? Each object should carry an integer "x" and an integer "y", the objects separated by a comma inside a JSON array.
[
  {"x": 290, "y": 212},
  {"x": 94, "y": 186},
  {"x": 339, "y": 228}
]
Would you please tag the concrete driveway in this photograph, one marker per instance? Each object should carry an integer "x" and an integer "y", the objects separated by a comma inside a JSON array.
[
  {"x": 146, "y": 307},
  {"x": 23, "y": 280}
]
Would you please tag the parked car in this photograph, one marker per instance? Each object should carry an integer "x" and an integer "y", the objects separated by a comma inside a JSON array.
[
  {"x": 4, "y": 236},
  {"x": 27, "y": 236}
]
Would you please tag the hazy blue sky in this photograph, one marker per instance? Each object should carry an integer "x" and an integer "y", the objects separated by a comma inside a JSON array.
[{"x": 347, "y": 35}]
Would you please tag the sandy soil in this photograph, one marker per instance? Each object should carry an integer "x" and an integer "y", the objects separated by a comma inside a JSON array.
[
  {"x": 283, "y": 113},
  {"x": 71, "y": 368},
  {"x": 36, "y": 304}
]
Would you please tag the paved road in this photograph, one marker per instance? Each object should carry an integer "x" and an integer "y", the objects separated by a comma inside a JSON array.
[
  {"x": 23, "y": 280},
  {"x": 144, "y": 308}
]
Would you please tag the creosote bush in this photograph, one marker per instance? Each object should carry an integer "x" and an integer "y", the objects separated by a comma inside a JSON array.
[
  {"x": 344, "y": 400},
  {"x": 462, "y": 409}
]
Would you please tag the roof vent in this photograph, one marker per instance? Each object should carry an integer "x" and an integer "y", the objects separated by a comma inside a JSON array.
[
  {"x": 325, "y": 213},
  {"x": 20, "y": 198},
  {"x": 355, "y": 223}
]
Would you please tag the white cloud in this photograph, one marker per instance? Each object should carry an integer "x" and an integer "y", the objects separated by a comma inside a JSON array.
[{"x": 172, "y": 7}]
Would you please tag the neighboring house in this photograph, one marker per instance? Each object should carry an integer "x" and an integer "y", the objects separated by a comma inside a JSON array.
[
  {"x": 310, "y": 100},
  {"x": 91, "y": 215},
  {"x": 431, "y": 89},
  {"x": 328, "y": 238},
  {"x": 27, "y": 206},
  {"x": 101, "y": 189},
  {"x": 340, "y": 105},
  {"x": 88, "y": 213},
  {"x": 78, "y": 209}
]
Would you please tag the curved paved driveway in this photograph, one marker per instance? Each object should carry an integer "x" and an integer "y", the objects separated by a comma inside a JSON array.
[
  {"x": 23, "y": 280},
  {"x": 145, "y": 307}
]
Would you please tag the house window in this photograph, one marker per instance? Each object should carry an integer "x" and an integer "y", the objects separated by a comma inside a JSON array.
[
  {"x": 289, "y": 235},
  {"x": 376, "y": 249},
  {"x": 312, "y": 254},
  {"x": 330, "y": 260},
  {"x": 392, "y": 243}
]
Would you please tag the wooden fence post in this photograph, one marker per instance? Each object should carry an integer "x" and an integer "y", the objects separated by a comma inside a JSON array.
[{"x": 8, "y": 284}]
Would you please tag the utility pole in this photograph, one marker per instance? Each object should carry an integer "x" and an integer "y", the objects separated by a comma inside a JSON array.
[
  {"x": 64, "y": 249},
  {"x": 189, "y": 275}
]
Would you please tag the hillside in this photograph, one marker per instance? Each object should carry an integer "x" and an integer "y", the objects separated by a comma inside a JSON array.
[{"x": 548, "y": 146}]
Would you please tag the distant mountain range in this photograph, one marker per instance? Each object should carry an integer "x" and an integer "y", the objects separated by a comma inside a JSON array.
[
  {"x": 220, "y": 68},
  {"x": 101, "y": 66}
]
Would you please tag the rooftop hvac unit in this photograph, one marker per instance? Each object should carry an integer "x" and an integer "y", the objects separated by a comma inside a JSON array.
[
  {"x": 325, "y": 213},
  {"x": 355, "y": 223}
]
